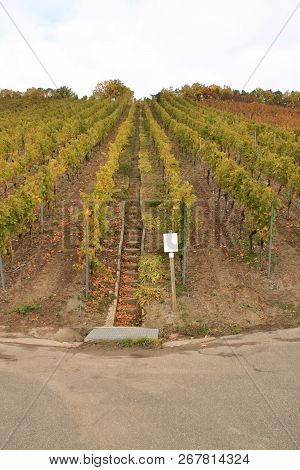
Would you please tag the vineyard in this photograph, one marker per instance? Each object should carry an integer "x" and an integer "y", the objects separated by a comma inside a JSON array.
[
  {"x": 270, "y": 114},
  {"x": 88, "y": 187}
]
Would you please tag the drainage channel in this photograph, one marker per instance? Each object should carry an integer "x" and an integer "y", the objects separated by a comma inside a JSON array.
[{"x": 128, "y": 312}]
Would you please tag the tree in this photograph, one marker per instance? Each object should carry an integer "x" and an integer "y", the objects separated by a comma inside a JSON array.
[
  {"x": 294, "y": 98},
  {"x": 64, "y": 92},
  {"x": 109, "y": 89},
  {"x": 199, "y": 92},
  {"x": 6, "y": 93},
  {"x": 37, "y": 92},
  {"x": 227, "y": 93}
]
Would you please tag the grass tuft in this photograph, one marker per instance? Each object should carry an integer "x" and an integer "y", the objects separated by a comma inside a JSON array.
[
  {"x": 138, "y": 343},
  {"x": 197, "y": 328},
  {"x": 26, "y": 309},
  {"x": 285, "y": 306}
]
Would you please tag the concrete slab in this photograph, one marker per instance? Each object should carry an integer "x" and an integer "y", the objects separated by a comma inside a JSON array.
[
  {"x": 188, "y": 342},
  {"x": 113, "y": 333},
  {"x": 39, "y": 342}
]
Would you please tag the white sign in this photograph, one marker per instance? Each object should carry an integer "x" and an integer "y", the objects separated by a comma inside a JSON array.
[{"x": 170, "y": 242}]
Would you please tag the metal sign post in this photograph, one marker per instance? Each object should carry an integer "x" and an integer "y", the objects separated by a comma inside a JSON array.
[{"x": 171, "y": 247}]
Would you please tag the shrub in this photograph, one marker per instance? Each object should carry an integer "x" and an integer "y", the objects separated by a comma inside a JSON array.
[
  {"x": 151, "y": 268},
  {"x": 146, "y": 294},
  {"x": 26, "y": 309}
]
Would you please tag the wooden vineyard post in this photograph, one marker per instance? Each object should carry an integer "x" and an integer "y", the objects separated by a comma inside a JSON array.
[
  {"x": 87, "y": 267},
  {"x": 270, "y": 240},
  {"x": 11, "y": 255},
  {"x": 289, "y": 203},
  {"x": 261, "y": 251},
  {"x": 173, "y": 281},
  {"x": 2, "y": 272},
  {"x": 184, "y": 243},
  {"x": 42, "y": 217}
]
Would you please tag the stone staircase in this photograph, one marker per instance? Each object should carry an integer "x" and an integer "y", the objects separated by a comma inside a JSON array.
[{"x": 128, "y": 312}]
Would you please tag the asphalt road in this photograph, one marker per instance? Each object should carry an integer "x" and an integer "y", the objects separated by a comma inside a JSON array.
[{"x": 233, "y": 393}]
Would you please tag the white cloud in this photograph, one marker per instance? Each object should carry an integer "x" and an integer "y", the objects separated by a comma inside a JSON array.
[{"x": 149, "y": 44}]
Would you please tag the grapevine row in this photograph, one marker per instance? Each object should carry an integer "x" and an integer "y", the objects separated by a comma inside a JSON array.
[
  {"x": 278, "y": 140},
  {"x": 254, "y": 198},
  {"x": 97, "y": 202},
  {"x": 237, "y": 142},
  {"x": 178, "y": 191},
  {"x": 18, "y": 211},
  {"x": 17, "y": 126},
  {"x": 46, "y": 140}
]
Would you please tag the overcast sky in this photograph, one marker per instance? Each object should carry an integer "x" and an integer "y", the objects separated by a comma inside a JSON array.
[{"x": 149, "y": 44}]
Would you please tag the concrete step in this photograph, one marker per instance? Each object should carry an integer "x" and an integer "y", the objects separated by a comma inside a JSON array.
[
  {"x": 132, "y": 230},
  {"x": 131, "y": 227},
  {"x": 134, "y": 209},
  {"x": 127, "y": 291},
  {"x": 121, "y": 332},
  {"x": 130, "y": 283},
  {"x": 130, "y": 258},
  {"x": 133, "y": 216},
  {"x": 135, "y": 242},
  {"x": 129, "y": 236},
  {"x": 127, "y": 265},
  {"x": 133, "y": 203},
  {"x": 127, "y": 301},
  {"x": 133, "y": 219},
  {"x": 130, "y": 272},
  {"x": 129, "y": 309},
  {"x": 133, "y": 213},
  {"x": 132, "y": 224},
  {"x": 131, "y": 251},
  {"x": 132, "y": 242}
]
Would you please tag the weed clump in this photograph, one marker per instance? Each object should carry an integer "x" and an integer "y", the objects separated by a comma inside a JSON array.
[
  {"x": 151, "y": 268},
  {"x": 197, "y": 328},
  {"x": 138, "y": 343},
  {"x": 146, "y": 294},
  {"x": 26, "y": 309},
  {"x": 151, "y": 272}
]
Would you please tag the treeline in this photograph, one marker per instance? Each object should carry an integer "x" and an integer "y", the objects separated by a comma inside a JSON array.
[
  {"x": 199, "y": 92},
  {"x": 106, "y": 89},
  {"x": 61, "y": 92}
]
